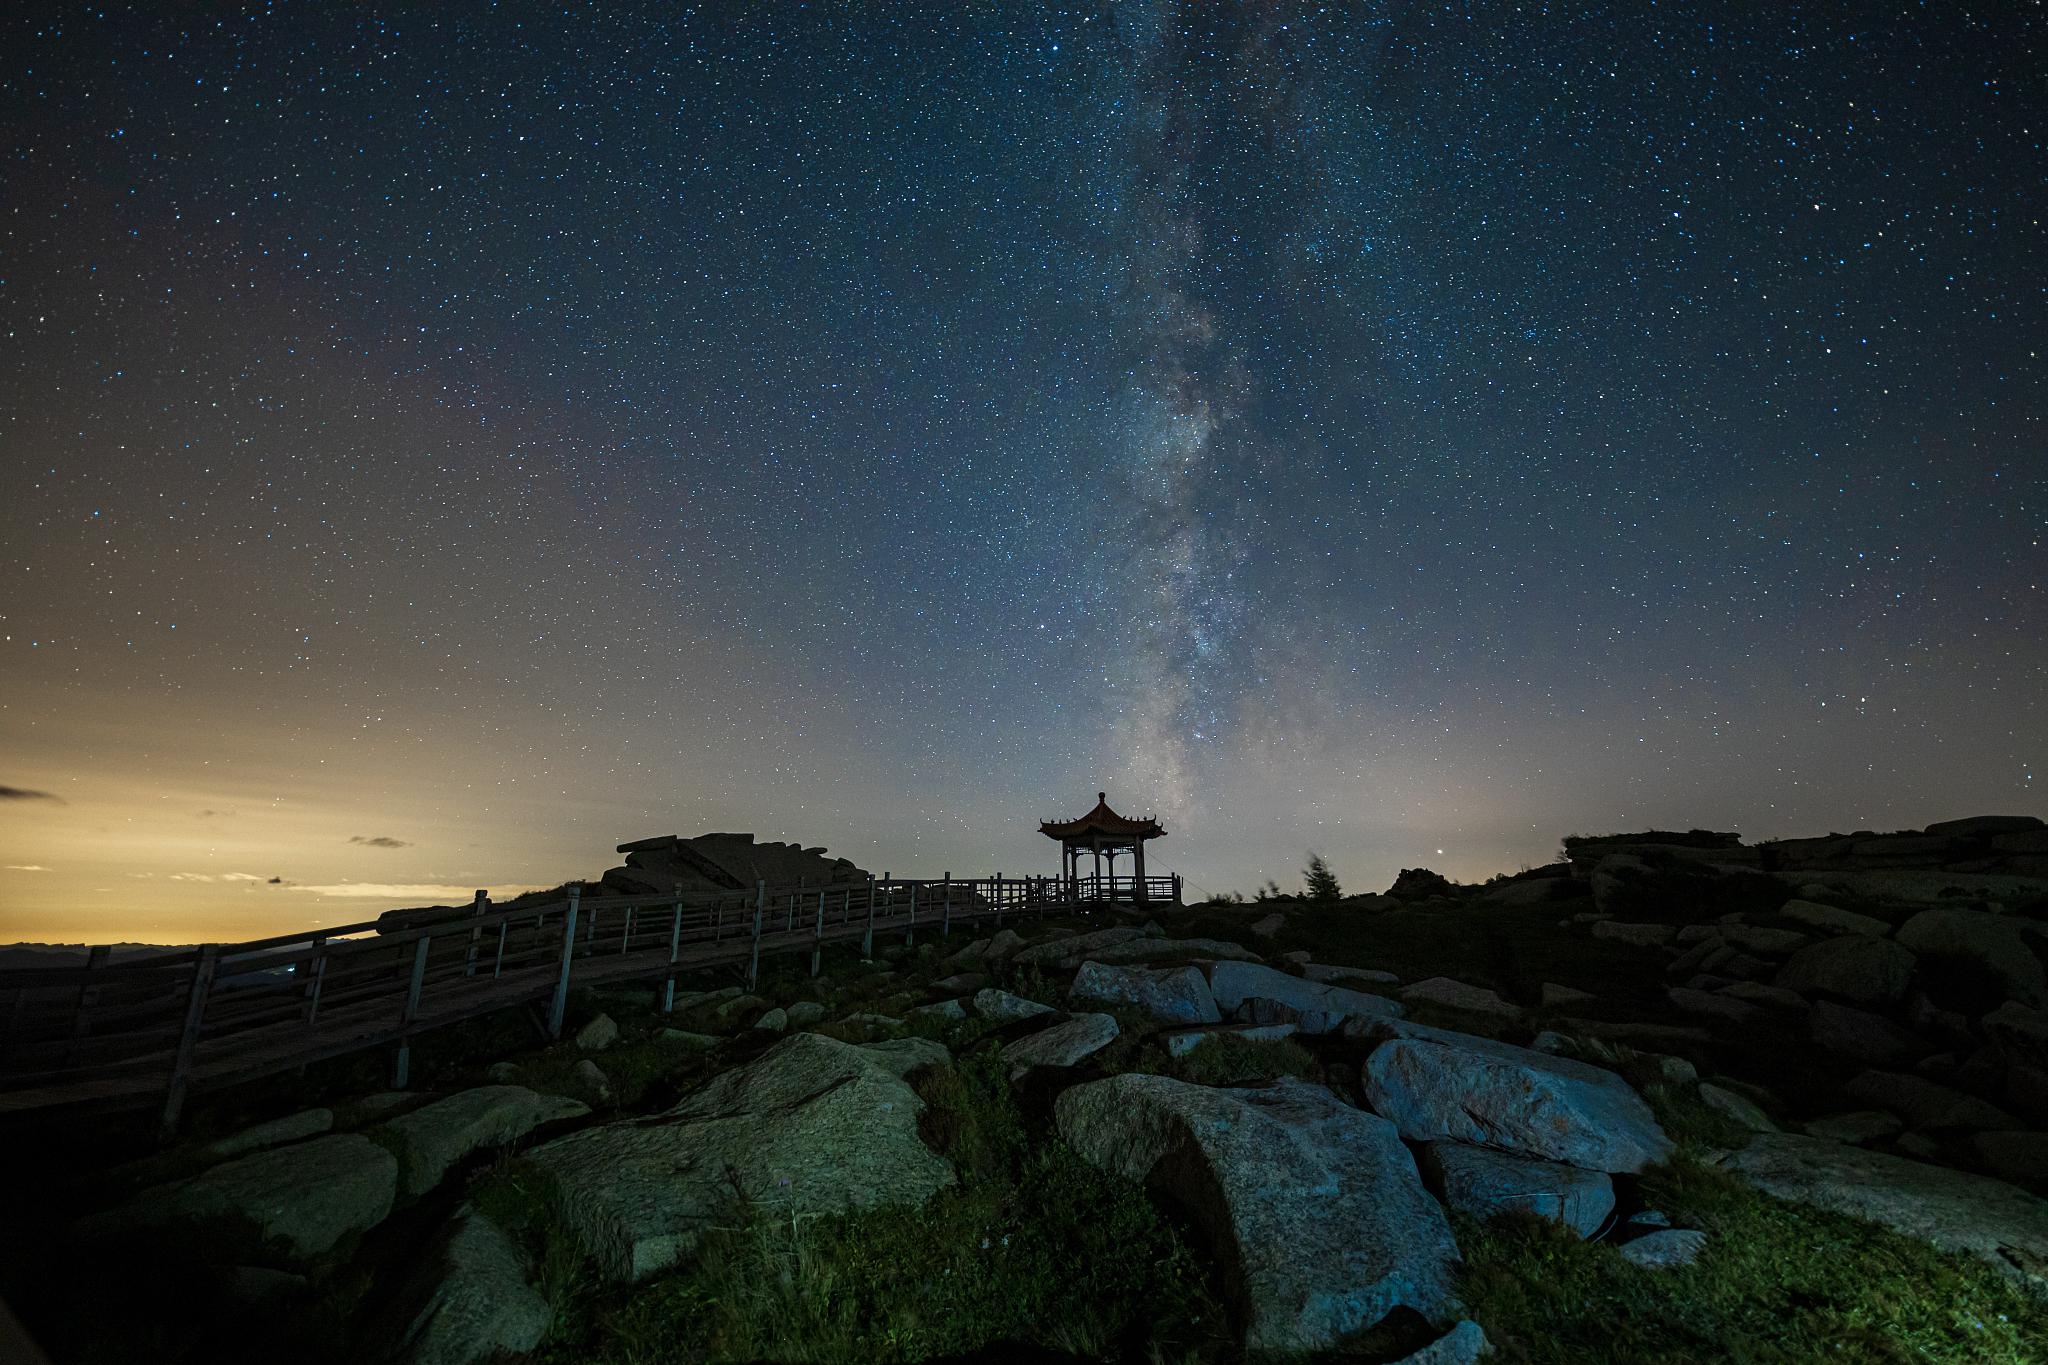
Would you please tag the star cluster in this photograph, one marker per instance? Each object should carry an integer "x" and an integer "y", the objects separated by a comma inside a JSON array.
[{"x": 440, "y": 443}]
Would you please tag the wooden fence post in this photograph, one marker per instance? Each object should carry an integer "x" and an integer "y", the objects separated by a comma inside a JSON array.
[
  {"x": 316, "y": 977},
  {"x": 910, "y": 930},
  {"x": 188, "y": 1040},
  {"x": 560, "y": 1004},
  {"x": 401, "y": 1065},
  {"x": 867, "y": 940},
  {"x": 946, "y": 907},
  {"x": 675, "y": 946},
  {"x": 999, "y": 900},
  {"x": 760, "y": 909},
  {"x": 482, "y": 907},
  {"x": 818, "y": 938}
]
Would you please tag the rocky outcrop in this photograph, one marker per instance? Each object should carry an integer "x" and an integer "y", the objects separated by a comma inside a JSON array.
[
  {"x": 1175, "y": 995},
  {"x": 811, "y": 1126},
  {"x": 430, "y": 1140},
  {"x": 1420, "y": 884},
  {"x": 670, "y": 864},
  {"x": 1311, "y": 1005},
  {"x": 1458, "y": 995},
  {"x": 1073, "y": 950},
  {"x": 1953, "y": 1210},
  {"x": 1315, "y": 1208},
  {"x": 1436, "y": 1085},
  {"x": 1484, "y": 1182}
]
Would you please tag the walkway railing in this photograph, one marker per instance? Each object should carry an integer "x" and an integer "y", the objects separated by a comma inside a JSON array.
[{"x": 122, "y": 1034}]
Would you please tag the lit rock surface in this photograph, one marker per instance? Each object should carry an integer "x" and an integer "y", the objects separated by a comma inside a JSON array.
[
  {"x": 1315, "y": 1006},
  {"x": 1316, "y": 1207},
  {"x": 1953, "y": 1210},
  {"x": 1462, "y": 1345},
  {"x": 1177, "y": 995},
  {"x": 1484, "y": 1182},
  {"x": 1665, "y": 1249},
  {"x": 1856, "y": 967},
  {"x": 811, "y": 1126},
  {"x": 1062, "y": 1044},
  {"x": 1000, "y": 1005},
  {"x": 1435, "y": 1085}
]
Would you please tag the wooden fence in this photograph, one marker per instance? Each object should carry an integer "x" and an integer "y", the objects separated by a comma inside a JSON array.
[{"x": 157, "y": 1028}]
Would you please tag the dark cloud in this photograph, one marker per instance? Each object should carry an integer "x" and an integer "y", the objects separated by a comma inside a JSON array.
[
  {"x": 379, "y": 841},
  {"x": 28, "y": 794}
]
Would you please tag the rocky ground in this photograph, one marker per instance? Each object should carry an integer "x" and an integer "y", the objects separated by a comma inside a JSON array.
[{"x": 1675, "y": 1098}]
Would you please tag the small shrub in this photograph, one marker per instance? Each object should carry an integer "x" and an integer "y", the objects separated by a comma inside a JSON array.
[
  {"x": 1231, "y": 1060},
  {"x": 1320, "y": 881}
]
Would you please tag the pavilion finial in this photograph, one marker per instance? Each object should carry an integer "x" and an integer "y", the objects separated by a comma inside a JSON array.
[{"x": 1102, "y": 796}]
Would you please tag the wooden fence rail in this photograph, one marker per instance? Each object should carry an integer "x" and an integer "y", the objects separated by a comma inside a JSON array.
[{"x": 157, "y": 1028}]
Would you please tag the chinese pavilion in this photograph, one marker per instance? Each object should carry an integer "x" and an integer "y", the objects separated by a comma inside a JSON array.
[{"x": 1104, "y": 834}]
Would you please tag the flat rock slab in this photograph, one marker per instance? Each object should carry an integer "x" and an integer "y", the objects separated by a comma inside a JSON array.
[
  {"x": 1153, "y": 949},
  {"x": 1857, "y": 1126},
  {"x": 1076, "y": 946},
  {"x": 1003, "y": 1007},
  {"x": 1176, "y": 995},
  {"x": 1329, "y": 975},
  {"x": 1739, "y": 1107},
  {"x": 1641, "y": 935},
  {"x": 1955, "y": 1211},
  {"x": 813, "y": 1125},
  {"x": 434, "y": 1138},
  {"x": 1484, "y": 1183},
  {"x": 1180, "y": 1042},
  {"x": 469, "y": 1299},
  {"x": 1062, "y": 1044},
  {"x": 1313, "y": 1005},
  {"x": 1437, "y": 1085},
  {"x": 300, "y": 1201},
  {"x": 1316, "y": 1207},
  {"x": 1444, "y": 990},
  {"x": 1833, "y": 920}
]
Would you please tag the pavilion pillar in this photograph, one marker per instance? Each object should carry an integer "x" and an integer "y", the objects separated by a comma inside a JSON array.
[{"x": 1138, "y": 868}]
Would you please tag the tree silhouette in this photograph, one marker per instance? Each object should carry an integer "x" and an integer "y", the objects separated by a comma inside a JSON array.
[{"x": 1322, "y": 883}]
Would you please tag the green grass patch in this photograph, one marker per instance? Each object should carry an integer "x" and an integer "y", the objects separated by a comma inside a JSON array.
[
  {"x": 1776, "y": 1283},
  {"x": 1033, "y": 1248}
]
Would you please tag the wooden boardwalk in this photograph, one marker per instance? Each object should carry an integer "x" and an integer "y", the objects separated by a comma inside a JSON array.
[{"x": 153, "y": 1030}]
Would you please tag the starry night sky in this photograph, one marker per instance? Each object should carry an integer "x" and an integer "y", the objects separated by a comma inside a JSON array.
[{"x": 443, "y": 441}]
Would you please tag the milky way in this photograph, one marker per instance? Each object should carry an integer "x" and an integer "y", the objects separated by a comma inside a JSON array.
[{"x": 441, "y": 445}]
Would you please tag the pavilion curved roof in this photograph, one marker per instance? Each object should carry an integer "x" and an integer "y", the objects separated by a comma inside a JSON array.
[{"x": 1102, "y": 820}]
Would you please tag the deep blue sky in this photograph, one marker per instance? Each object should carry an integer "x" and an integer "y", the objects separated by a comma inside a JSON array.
[{"x": 1379, "y": 430}]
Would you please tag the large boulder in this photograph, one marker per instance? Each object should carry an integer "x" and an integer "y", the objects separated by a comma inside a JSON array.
[
  {"x": 813, "y": 1125},
  {"x": 2010, "y": 948},
  {"x": 1460, "y": 995},
  {"x": 1925, "y": 1104},
  {"x": 1856, "y": 967},
  {"x": 1315, "y": 1207},
  {"x": 1436, "y": 1085},
  {"x": 1156, "y": 949},
  {"x": 469, "y": 1299},
  {"x": 429, "y": 1140},
  {"x": 276, "y": 1133},
  {"x": 1313, "y": 1006},
  {"x": 1178, "y": 995},
  {"x": 1484, "y": 1182},
  {"x": 298, "y": 1202},
  {"x": 1062, "y": 1044},
  {"x": 1954, "y": 1211}
]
